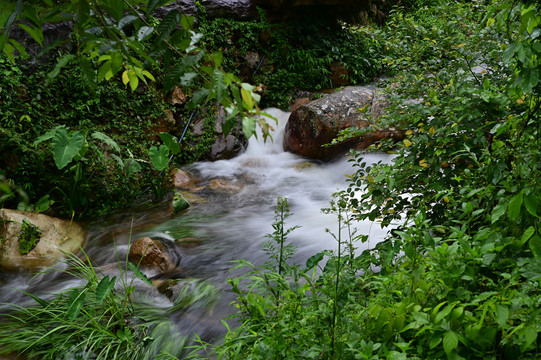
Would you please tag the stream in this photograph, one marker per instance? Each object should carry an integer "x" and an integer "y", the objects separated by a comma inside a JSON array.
[{"x": 227, "y": 225}]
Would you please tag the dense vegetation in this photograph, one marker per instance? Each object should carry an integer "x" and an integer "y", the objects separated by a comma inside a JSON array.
[{"x": 458, "y": 276}]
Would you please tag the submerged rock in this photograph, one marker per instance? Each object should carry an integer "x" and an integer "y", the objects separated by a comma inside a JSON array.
[{"x": 58, "y": 237}]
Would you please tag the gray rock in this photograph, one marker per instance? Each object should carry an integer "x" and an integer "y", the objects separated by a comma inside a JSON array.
[{"x": 235, "y": 9}]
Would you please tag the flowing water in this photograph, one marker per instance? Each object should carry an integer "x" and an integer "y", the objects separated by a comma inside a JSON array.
[{"x": 228, "y": 225}]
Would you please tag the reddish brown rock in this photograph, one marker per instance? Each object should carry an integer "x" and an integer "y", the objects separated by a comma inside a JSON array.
[
  {"x": 312, "y": 127},
  {"x": 149, "y": 254}
]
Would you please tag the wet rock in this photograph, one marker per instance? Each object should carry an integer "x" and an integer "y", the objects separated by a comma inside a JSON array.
[
  {"x": 151, "y": 254},
  {"x": 180, "y": 203},
  {"x": 183, "y": 180},
  {"x": 57, "y": 237},
  {"x": 280, "y": 10},
  {"x": 317, "y": 123},
  {"x": 225, "y": 186},
  {"x": 186, "y": 7},
  {"x": 225, "y": 146},
  {"x": 235, "y": 9}
]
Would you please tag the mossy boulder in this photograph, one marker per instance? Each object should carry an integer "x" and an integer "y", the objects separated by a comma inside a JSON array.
[{"x": 52, "y": 238}]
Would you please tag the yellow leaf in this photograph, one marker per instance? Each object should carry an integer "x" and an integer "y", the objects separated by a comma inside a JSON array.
[
  {"x": 460, "y": 45},
  {"x": 407, "y": 142},
  {"x": 409, "y": 132},
  {"x": 134, "y": 80},
  {"x": 370, "y": 178},
  {"x": 446, "y": 199},
  {"x": 423, "y": 163},
  {"x": 426, "y": 38},
  {"x": 148, "y": 75},
  {"x": 421, "y": 129},
  {"x": 247, "y": 97},
  {"x": 428, "y": 103},
  {"x": 420, "y": 124},
  {"x": 125, "y": 78},
  {"x": 432, "y": 131}
]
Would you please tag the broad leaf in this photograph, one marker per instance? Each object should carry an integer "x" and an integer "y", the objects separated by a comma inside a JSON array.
[
  {"x": 450, "y": 342},
  {"x": 219, "y": 85},
  {"x": 315, "y": 259},
  {"x": 75, "y": 303},
  {"x": 104, "y": 288},
  {"x": 48, "y": 135},
  {"x": 248, "y": 126},
  {"x": 159, "y": 157},
  {"x": 514, "y": 206},
  {"x": 66, "y": 147},
  {"x": 106, "y": 139},
  {"x": 171, "y": 142},
  {"x": 531, "y": 202}
]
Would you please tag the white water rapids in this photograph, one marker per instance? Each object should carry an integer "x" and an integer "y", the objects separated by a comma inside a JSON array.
[{"x": 227, "y": 227}]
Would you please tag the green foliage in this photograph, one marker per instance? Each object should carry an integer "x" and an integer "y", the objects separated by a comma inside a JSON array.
[
  {"x": 458, "y": 275},
  {"x": 98, "y": 319},
  {"x": 292, "y": 55},
  {"x": 29, "y": 237}
]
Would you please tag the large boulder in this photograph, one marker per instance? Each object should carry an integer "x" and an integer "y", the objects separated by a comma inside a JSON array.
[
  {"x": 57, "y": 238},
  {"x": 236, "y": 9},
  {"x": 317, "y": 123},
  {"x": 282, "y": 10}
]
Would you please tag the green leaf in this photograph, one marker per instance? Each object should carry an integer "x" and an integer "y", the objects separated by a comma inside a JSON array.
[
  {"x": 65, "y": 147},
  {"x": 514, "y": 206},
  {"x": 75, "y": 303},
  {"x": 106, "y": 139},
  {"x": 450, "y": 342},
  {"x": 532, "y": 269},
  {"x": 62, "y": 61},
  {"x": 502, "y": 314},
  {"x": 48, "y": 135},
  {"x": 219, "y": 85},
  {"x": 144, "y": 32},
  {"x": 37, "y": 299},
  {"x": 315, "y": 259},
  {"x": 159, "y": 157},
  {"x": 139, "y": 274},
  {"x": 531, "y": 202},
  {"x": 248, "y": 126},
  {"x": 168, "y": 24},
  {"x": 35, "y": 33},
  {"x": 171, "y": 142},
  {"x": 527, "y": 234},
  {"x": 88, "y": 75},
  {"x": 126, "y": 20},
  {"x": 535, "y": 245},
  {"x": 197, "y": 98},
  {"x": 247, "y": 98},
  {"x": 187, "y": 22},
  {"x": 132, "y": 167},
  {"x": 43, "y": 203},
  {"x": 104, "y": 288}
]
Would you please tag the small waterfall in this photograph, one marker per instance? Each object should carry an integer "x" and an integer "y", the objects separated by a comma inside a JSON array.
[{"x": 228, "y": 226}]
